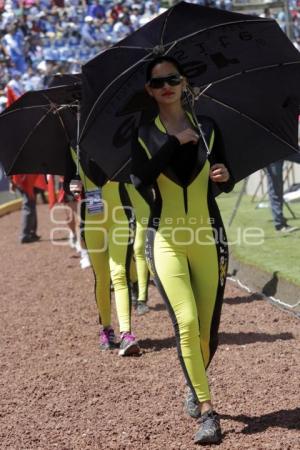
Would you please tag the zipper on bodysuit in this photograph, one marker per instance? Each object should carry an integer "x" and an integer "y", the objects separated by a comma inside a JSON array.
[{"x": 185, "y": 199}]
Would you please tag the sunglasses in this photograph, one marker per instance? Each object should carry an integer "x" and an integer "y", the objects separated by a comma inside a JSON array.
[{"x": 159, "y": 82}]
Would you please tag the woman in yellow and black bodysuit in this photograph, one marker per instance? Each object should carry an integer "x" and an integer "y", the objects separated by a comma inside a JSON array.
[
  {"x": 107, "y": 225},
  {"x": 173, "y": 167}
]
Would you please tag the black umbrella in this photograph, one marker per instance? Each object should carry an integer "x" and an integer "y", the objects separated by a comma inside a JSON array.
[
  {"x": 36, "y": 131},
  {"x": 247, "y": 65},
  {"x": 64, "y": 79}
]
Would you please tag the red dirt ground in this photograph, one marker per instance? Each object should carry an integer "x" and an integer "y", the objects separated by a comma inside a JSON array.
[{"x": 58, "y": 391}]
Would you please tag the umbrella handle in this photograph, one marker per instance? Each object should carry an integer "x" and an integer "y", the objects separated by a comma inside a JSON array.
[
  {"x": 203, "y": 138},
  {"x": 196, "y": 121}
]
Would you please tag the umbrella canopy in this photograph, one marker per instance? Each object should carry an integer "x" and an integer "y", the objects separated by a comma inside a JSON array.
[
  {"x": 65, "y": 79},
  {"x": 36, "y": 131},
  {"x": 247, "y": 65}
]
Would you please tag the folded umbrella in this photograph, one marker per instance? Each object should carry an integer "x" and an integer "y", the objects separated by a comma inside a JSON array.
[
  {"x": 36, "y": 131},
  {"x": 244, "y": 66}
]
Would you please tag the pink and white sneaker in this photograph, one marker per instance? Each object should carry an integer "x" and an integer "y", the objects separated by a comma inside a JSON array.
[{"x": 129, "y": 345}]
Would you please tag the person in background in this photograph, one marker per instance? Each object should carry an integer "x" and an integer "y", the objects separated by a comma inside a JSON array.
[
  {"x": 14, "y": 88},
  {"x": 25, "y": 185},
  {"x": 274, "y": 173},
  {"x": 107, "y": 228},
  {"x": 72, "y": 220},
  {"x": 13, "y": 43},
  {"x": 96, "y": 10}
]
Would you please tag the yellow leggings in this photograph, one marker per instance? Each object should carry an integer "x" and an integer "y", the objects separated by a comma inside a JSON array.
[
  {"x": 109, "y": 238},
  {"x": 190, "y": 285},
  {"x": 189, "y": 263}
]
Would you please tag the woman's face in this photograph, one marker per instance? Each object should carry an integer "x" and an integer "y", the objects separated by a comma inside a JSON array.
[{"x": 167, "y": 91}]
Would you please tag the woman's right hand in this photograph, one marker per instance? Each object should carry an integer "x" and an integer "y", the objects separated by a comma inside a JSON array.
[{"x": 187, "y": 135}]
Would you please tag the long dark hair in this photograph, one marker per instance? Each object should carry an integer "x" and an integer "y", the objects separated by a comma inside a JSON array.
[{"x": 162, "y": 59}]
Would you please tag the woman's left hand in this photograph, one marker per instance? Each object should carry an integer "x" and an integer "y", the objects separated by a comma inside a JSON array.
[{"x": 219, "y": 173}]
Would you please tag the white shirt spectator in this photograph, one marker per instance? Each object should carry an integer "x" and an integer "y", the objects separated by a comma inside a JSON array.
[{"x": 121, "y": 30}]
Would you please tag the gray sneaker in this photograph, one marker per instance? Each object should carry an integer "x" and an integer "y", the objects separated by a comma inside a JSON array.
[
  {"x": 192, "y": 405},
  {"x": 128, "y": 345},
  {"x": 210, "y": 429},
  {"x": 142, "y": 308}
]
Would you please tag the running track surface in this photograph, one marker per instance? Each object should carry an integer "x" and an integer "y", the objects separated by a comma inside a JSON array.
[{"x": 58, "y": 391}]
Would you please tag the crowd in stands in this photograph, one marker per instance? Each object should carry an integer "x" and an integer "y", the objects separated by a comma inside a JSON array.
[{"x": 41, "y": 37}]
